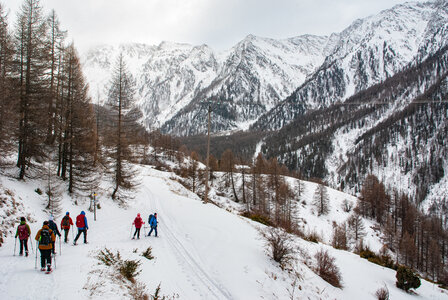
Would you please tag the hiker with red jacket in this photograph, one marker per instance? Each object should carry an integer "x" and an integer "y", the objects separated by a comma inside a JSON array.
[
  {"x": 138, "y": 222},
  {"x": 23, "y": 232},
  {"x": 45, "y": 237},
  {"x": 66, "y": 222},
  {"x": 81, "y": 223}
]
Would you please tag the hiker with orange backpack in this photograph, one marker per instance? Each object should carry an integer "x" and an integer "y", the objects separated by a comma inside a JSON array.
[
  {"x": 46, "y": 238},
  {"x": 23, "y": 232},
  {"x": 81, "y": 223},
  {"x": 66, "y": 222}
]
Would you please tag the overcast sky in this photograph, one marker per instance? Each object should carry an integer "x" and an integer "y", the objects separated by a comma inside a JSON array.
[{"x": 218, "y": 23}]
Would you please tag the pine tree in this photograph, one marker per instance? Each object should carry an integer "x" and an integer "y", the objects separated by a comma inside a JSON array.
[
  {"x": 56, "y": 49},
  {"x": 32, "y": 61},
  {"x": 121, "y": 99},
  {"x": 356, "y": 227},
  {"x": 8, "y": 109},
  {"x": 80, "y": 134},
  {"x": 321, "y": 200}
]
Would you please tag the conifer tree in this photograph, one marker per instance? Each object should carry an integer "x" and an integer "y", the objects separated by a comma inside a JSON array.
[
  {"x": 321, "y": 200},
  {"x": 121, "y": 99},
  {"x": 32, "y": 61},
  {"x": 79, "y": 143},
  {"x": 8, "y": 112},
  {"x": 56, "y": 48}
]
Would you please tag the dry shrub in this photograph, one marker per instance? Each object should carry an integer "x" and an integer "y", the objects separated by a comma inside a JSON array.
[
  {"x": 280, "y": 245},
  {"x": 382, "y": 293},
  {"x": 327, "y": 269},
  {"x": 313, "y": 237}
]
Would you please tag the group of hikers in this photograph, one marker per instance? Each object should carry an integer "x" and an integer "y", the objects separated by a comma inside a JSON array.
[
  {"x": 46, "y": 236},
  {"x": 138, "y": 223}
]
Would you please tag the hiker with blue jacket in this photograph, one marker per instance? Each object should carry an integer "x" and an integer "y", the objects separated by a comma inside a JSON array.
[
  {"x": 81, "y": 223},
  {"x": 152, "y": 220}
]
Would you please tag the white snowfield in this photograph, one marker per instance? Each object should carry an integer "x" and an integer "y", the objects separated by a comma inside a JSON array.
[{"x": 202, "y": 252}]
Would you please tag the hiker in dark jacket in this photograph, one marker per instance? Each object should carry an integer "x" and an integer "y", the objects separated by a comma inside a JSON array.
[
  {"x": 45, "y": 237},
  {"x": 23, "y": 232},
  {"x": 66, "y": 222},
  {"x": 55, "y": 230},
  {"x": 81, "y": 223},
  {"x": 153, "y": 224}
]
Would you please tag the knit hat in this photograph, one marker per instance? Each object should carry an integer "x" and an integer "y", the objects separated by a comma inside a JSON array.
[
  {"x": 83, "y": 213},
  {"x": 22, "y": 219},
  {"x": 67, "y": 213},
  {"x": 138, "y": 215},
  {"x": 45, "y": 222},
  {"x": 51, "y": 218}
]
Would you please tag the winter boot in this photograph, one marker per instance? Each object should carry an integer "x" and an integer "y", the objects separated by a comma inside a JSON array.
[{"x": 26, "y": 253}]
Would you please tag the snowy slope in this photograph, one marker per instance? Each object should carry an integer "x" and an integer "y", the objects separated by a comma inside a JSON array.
[{"x": 202, "y": 252}]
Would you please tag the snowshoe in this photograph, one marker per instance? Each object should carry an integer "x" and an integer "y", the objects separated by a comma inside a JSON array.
[{"x": 43, "y": 269}]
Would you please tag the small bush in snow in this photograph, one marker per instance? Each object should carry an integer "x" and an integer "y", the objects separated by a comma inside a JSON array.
[
  {"x": 406, "y": 279},
  {"x": 148, "y": 253},
  {"x": 384, "y": 260},
  {"x": 129, "y": 269},
  {"x": 38, "y": 191},
  {"x": 313, "y": 237},
  {"x": 339, "y": 236},
  {"x": 327, "y": 269},
  {"x": 157, "y": 295},
  {"x": 258, "y": 218},
  {"x": 108, "y": 258},
  {"x": 382, "y": 293},
  {"x": 279, "y": 244},
  {"x": 347, "y": 206}
]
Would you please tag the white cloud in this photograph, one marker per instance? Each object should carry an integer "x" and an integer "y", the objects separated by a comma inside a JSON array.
[{"x": 219, "y": 23}]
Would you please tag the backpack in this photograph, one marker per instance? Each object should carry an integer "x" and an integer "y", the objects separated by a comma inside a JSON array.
[
  {"x": 65, "y": 222},
  {"x": 23, "y": 232},
  {"x": 150, "y": 218},
  {"x": 80, "y": 221},
  {"x": 45, "y": 238}
]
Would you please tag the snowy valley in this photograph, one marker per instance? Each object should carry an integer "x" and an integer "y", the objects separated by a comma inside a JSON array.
[{"x": 202, "y": 252}]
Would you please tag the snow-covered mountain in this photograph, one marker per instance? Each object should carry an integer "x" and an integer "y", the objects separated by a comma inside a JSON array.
[
  {"x": 174, "y": 79},
  {"x": 276, "y": 79},
  {"x": 366, "y": 53}
]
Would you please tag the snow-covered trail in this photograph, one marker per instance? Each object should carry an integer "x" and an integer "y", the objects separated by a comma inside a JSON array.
[
  {"x": 202, "y": 252},
  {"x": 189, "y": 262}
]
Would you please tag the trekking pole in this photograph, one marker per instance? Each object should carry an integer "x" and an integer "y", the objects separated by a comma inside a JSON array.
[
  {"x": 144, "y": 229},
  {"x": 15, "y": 243},
  {"x": 54, "y": 256},
  {"x": 73, "y": 237},
  {"x": 130, "y": 233},
  {"x": 60, "y": 249},
  {"x": 32, "y": 248},
  {"x": 35, "y": 262}
]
